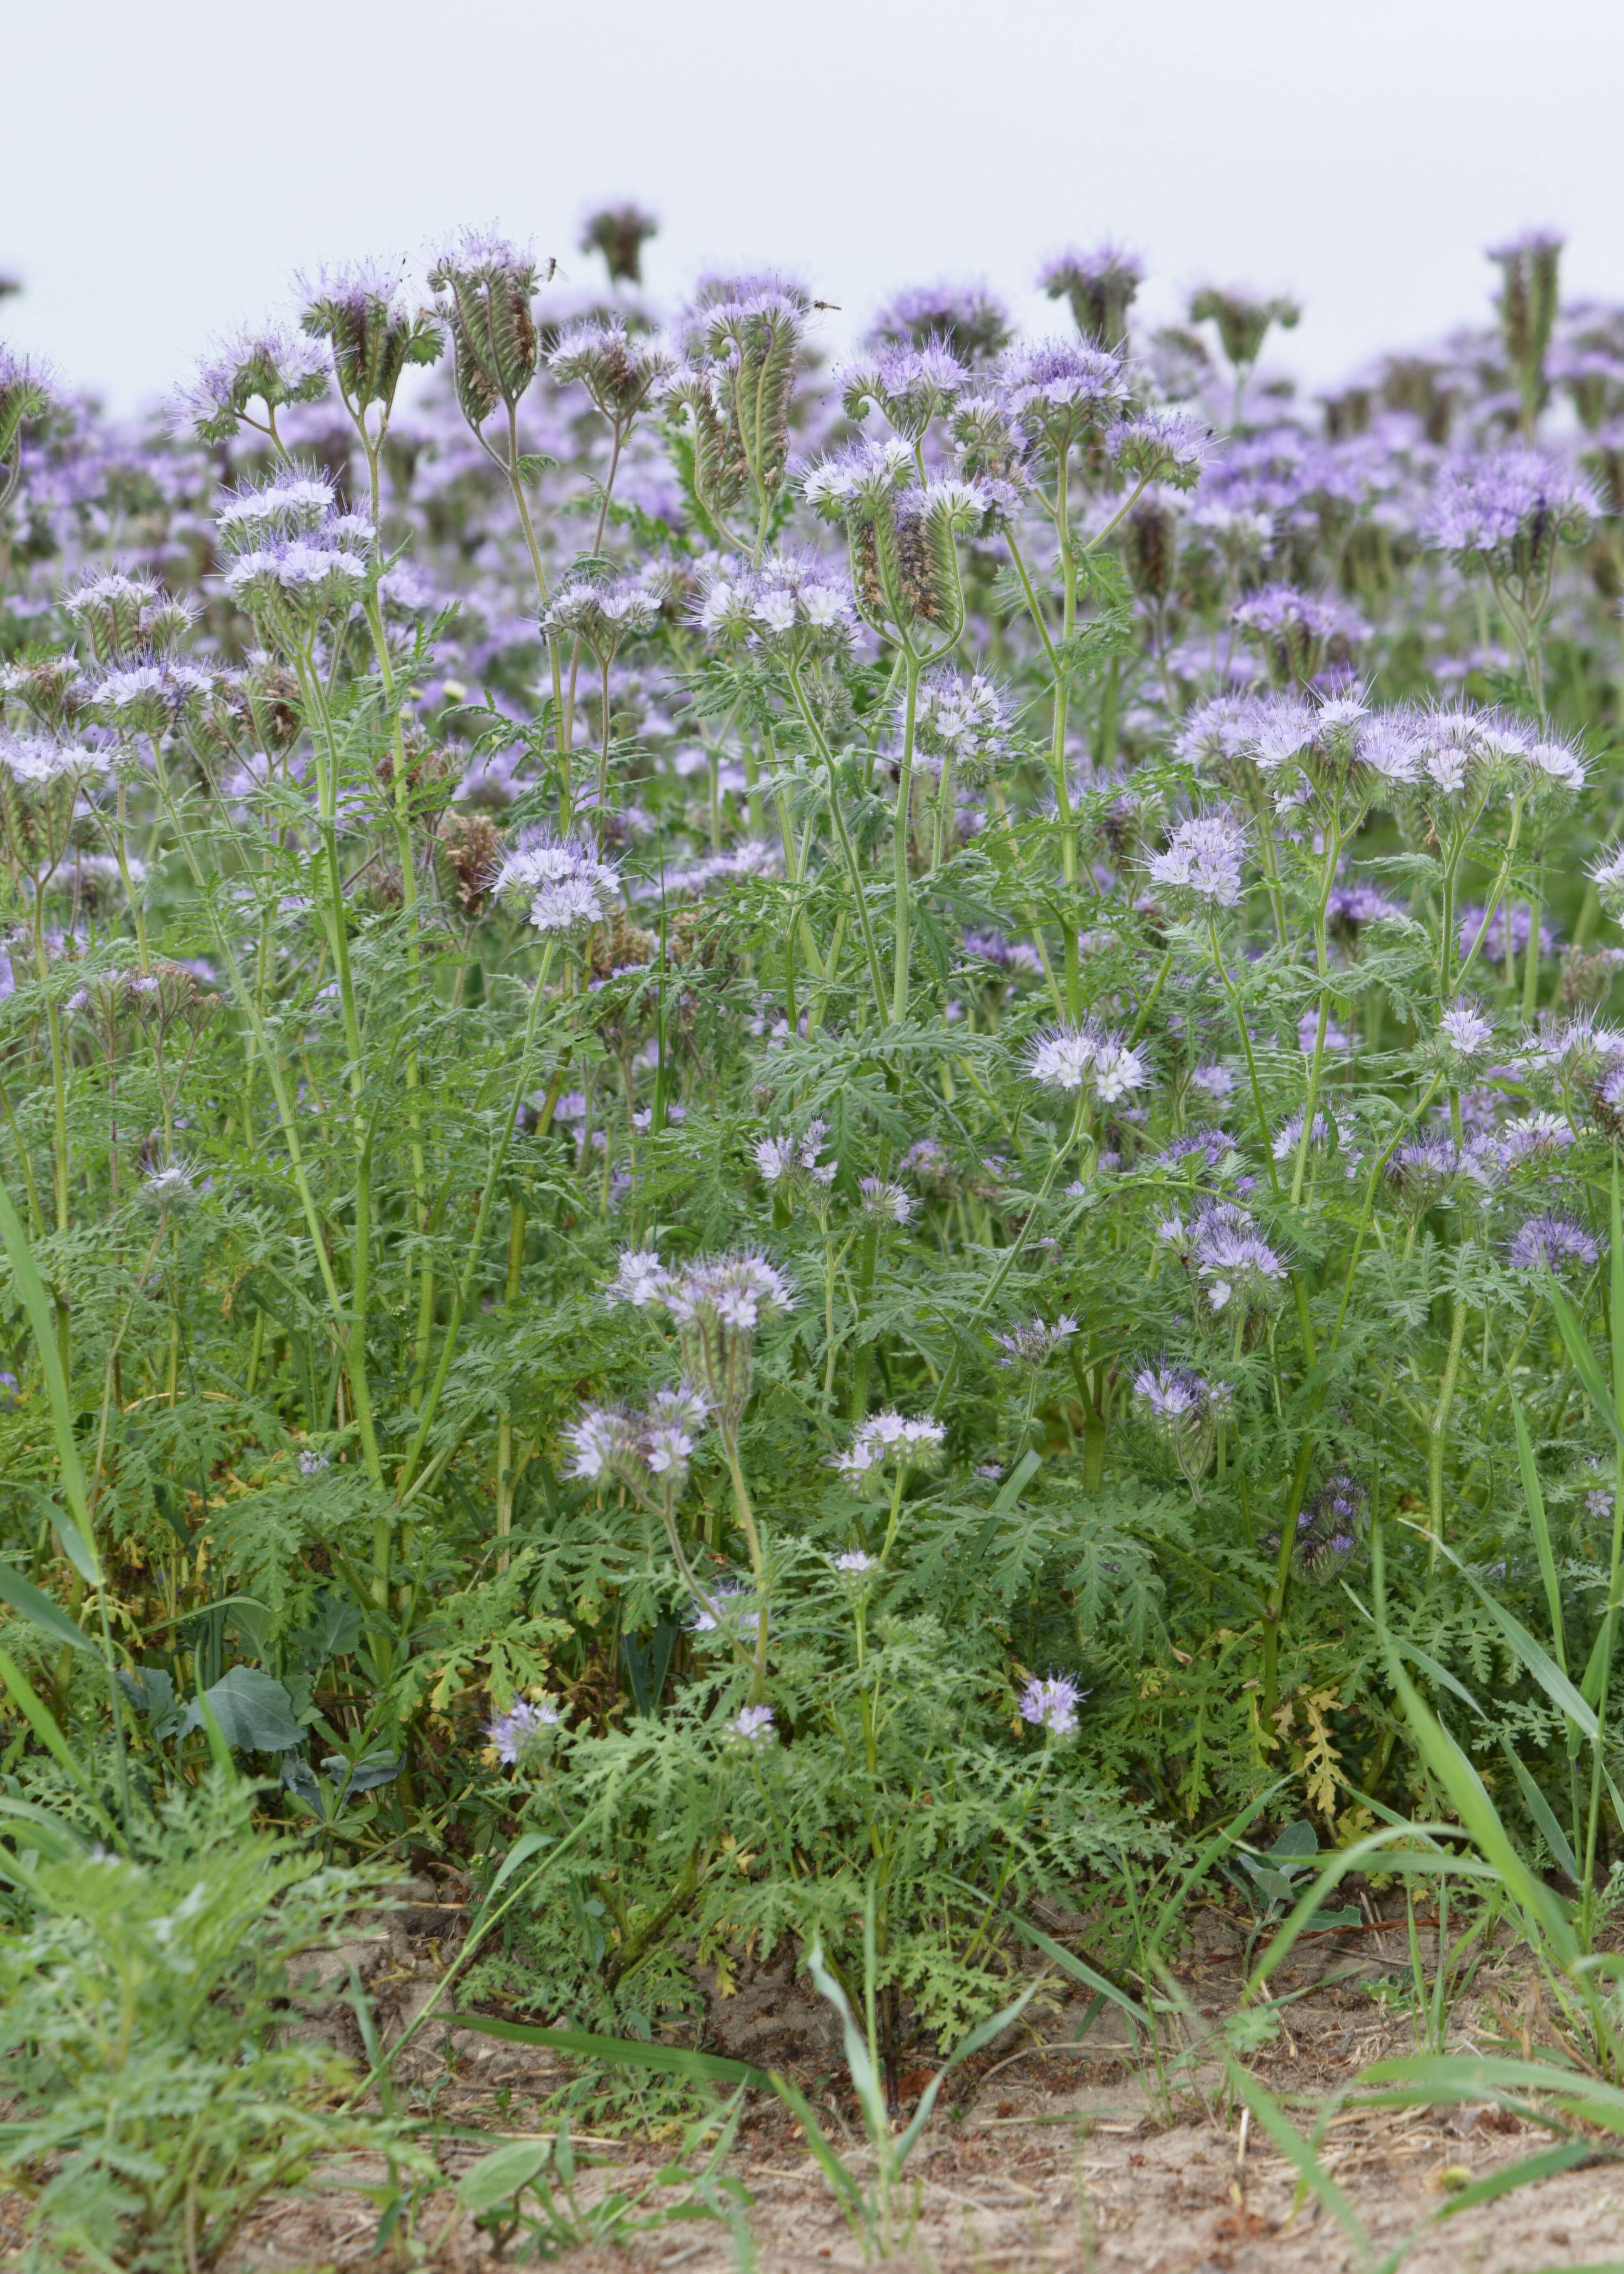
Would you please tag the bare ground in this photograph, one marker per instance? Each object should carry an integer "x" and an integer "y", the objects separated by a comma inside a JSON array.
[{"x": 1052, "y": 2157}]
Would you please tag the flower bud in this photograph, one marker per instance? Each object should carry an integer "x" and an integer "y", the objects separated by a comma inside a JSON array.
[
  {"x": 363, "y": 314},
  {"x": 1099, "y": 287},
  {"x": 487, "y": 287}
]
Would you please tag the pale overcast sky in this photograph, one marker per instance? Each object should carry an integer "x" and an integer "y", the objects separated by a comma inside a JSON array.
[{"x": 165, "y": 167}]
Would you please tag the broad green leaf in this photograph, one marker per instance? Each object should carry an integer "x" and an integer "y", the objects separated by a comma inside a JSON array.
[
  {"x": 251, "y": 1709},
  {"x": 499, "y": 2177},
  {"x": 519, "y": 1853}
]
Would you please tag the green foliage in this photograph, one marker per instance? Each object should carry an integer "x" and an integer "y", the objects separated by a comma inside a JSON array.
[{"x": 160, "y": 2091}]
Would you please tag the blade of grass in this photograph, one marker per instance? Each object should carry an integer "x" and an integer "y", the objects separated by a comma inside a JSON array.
[
  {"x": 842, "y": 2186},
  {"x": 622, "y": 2052},
  {"x": 1539, "y": 1808},
  {"x": 1583, "y": 1356},
  {"x": 39, "y": 1610},
  {"x": 1535, "y": 1498},
  {"x": 1298, "y": 2152},
  {"x": 37, "y": 1304},
  {"x": 973, "y": 2043},
  {"x": 1478, "y": 1813},
  {"x": 1079, "y": 1969},
  {"x": 1538, "y": 1662}
]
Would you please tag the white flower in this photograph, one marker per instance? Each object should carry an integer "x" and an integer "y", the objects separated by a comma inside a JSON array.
[
  {"x": 1117, "y": 1071},
  {"x": 891, "y": 1439},
  {"x": 640, "y": 1278},
  {"x": 1063, "y": 1058}
]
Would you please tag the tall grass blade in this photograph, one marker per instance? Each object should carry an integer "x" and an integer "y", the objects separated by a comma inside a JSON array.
[
  {"x": 1535, "y": 1498},
  {"x": 37, "y": 1304}
]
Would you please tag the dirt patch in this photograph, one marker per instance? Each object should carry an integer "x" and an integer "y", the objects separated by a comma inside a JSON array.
[
  {"x": 1056, "y": 2187},
  {"x": 1062, "y": 2149}
]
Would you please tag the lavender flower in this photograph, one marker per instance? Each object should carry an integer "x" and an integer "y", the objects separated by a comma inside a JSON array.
[
  {"x": 1051, "y": 1703},
  {"x": 716, "y": 1305},
  {"x": 1535, "y": 1137},
  {"x": 1494, "y": 937},
  {"x": 1232, "y": 1262},
  {"x": 1060, "y": 393},
  {"x": 1185, "y": 1410},
  {"x": 1328, "y": 1528},
  {"x": 1463, "y": 1033},
  {"x": 887, "y": 1201},
  {"x": 1034, "y": 1345},
  {"x": 1608, "y": 875},
  {"x": 1551, "y": 1242},
  {"x": 1507, "y": 513},
  {"x": 967, "y": 318},
  {"x": 618, "y": 369},
  {"x": 649, "y": 1452},
  {"x": 731, "y": 1606},
  {"x": 853, "y": 1561},
  {"x": 514, "y": 1733},
  {"x": 893, "y": 1440},
  {"x": 170, "y": 1185},
  {"x": 564, "y": 887},
  {"x": 1099, "y": 287},
  {"x": 962, "y": 722},
  {"x": 270, "y": 366},
  {"x": 1066, "y": 1057},
  {"x": 753, "y": 1724},
  {"x": 1350, "y": 907},
  {"x": 1202, "y": 863},
  {"x": 788, "y": 1162},
  {"x": 1297, "y": 635},
  {"x": 910, "y": 386}
]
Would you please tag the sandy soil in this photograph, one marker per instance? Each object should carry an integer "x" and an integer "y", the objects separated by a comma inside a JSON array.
[{"x": 1046, "y": 2154}]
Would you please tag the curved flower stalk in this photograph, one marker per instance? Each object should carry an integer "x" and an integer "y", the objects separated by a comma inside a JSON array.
[
  {"x": 24, "y": 397},
  {"x": 374, "y": 335},
  {"x": 732, "y": 397},
  {"x": 902, "y": 536},
  {"x": 270, "y": 366}
]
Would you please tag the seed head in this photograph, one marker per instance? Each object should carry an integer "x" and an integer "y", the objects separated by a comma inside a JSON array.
[{"x": 619, "y": 233}]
